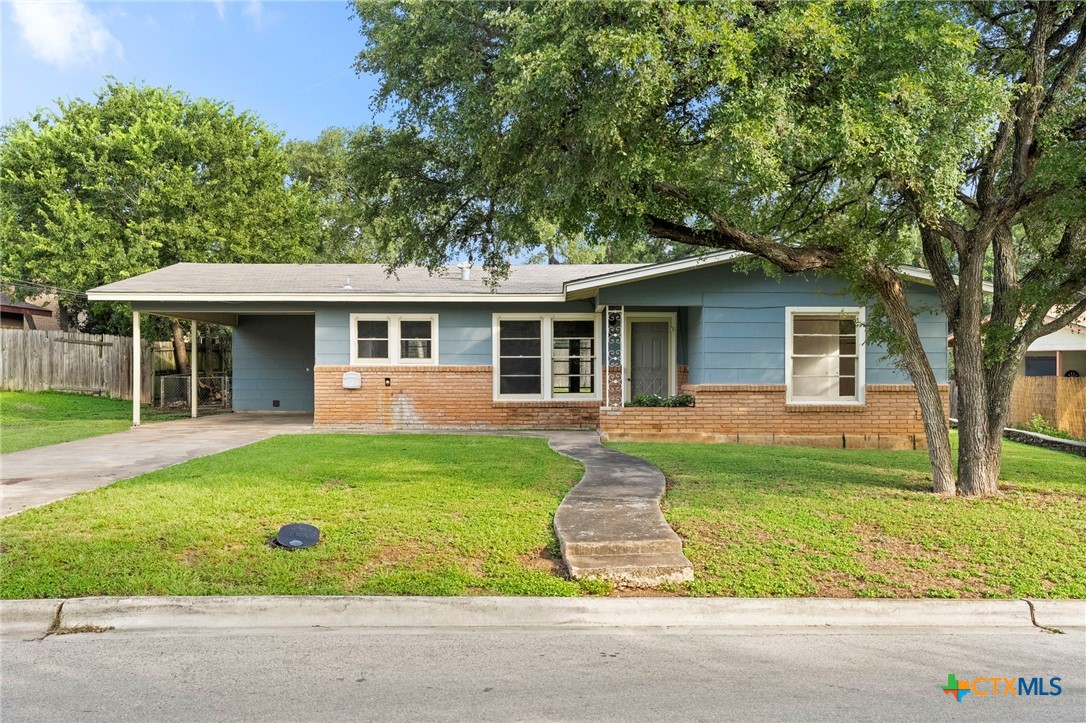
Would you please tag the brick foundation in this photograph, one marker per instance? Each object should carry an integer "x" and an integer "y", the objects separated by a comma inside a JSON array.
[
  {"x": 758, "y": 414},
  {"x": 435, "y": 397},
  {"x": 461, "y": 397}
]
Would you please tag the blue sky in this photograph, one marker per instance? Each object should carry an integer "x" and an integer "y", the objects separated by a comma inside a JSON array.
[{"x": 289, "y": 62}]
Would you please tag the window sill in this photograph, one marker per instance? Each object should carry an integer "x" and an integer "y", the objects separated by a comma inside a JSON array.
[{"x": 813, "y": 407}]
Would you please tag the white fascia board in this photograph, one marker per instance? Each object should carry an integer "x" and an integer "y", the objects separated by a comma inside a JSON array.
[
  {"x": 577, "y": 287},
  {"x": 650, "y": 272},
  {"x": 322, "y": 298}
]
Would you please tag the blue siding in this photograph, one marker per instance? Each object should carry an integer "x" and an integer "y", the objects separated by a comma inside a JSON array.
[
  {"x": 738, "y": 336},
  {"x": 464, "y": 330},
  {"x": 273, "y": 359}
]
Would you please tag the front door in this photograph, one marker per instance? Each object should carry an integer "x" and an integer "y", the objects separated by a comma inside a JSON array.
[{"x": 650, "y": 371}]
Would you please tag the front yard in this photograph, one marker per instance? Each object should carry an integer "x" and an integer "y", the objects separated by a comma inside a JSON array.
[
  {"x": 403, "y": 514},
  {"x": 35, "y": 419},
  {"x": 780, "y": 521},
  {"x": 465, "y": 515}
]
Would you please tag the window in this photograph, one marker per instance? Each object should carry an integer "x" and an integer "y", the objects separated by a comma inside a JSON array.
[
  {"x": 546, "y": 356},
  {"x": 825, "y": 355},
  {"x": 573, "y": 356},
  {"x": 396, "y": 339}
]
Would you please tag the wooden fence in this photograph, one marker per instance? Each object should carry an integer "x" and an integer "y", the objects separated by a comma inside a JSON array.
[
  {"x": 1060, "y": 400},
  {"x": 33, "y": 361}
]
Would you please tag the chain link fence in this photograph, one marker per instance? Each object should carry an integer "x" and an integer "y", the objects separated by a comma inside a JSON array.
[{"x": 172, "y": 391}]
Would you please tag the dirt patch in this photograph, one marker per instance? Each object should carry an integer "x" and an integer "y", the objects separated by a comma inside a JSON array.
[
  {"x": 545, "y": 560},
  {"x": 908, "y": 568},
  {"x": 646, "y": 592}
]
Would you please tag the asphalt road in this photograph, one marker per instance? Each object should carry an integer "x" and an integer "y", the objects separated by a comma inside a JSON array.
[{"x": 467, "y": 674}]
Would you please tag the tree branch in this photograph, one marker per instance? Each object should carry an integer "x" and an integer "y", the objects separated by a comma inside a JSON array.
[{"x": 788, "y": 258}]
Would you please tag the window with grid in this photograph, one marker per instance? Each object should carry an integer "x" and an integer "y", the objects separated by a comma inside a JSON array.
[
  {"x": 371, "y": 339},
  {"x": 573, "y": 356},
  {"x": 416, "y": 339},
  {"x": 393, "y": 339},
  {"x": 826, "y": 357},
  {"x": 520, "y": 356}
]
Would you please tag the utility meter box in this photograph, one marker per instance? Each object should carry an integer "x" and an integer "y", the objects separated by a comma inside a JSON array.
[{"x": 352, "y": 380}]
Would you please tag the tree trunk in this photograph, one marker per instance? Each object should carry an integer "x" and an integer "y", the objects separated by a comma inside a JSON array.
[
  {"x": 180, "y": 353},
  {"x": 978, "y": 453},
  {"x": 936, "y": 430}
]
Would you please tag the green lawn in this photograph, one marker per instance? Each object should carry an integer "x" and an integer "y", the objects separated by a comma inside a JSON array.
[
  {"x": 403, "y": 514},
  {"x": 781, "y": 521},
  {"x": 35, "y": 419}
]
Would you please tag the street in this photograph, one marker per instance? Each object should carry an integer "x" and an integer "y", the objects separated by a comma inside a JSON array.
[{"x": 535, "y": 674}]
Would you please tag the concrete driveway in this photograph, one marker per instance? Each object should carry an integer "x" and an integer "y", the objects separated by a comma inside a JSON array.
[{"x": 35, "y": 477}]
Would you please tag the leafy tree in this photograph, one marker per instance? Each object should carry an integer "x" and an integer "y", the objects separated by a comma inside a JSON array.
[
  {"x": 843, "y": 136},
  {"x": 141, "y": 178},
  {"x": 324, "y": 166}
]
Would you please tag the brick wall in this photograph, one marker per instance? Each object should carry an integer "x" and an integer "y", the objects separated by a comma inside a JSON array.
[
  {"x": 758, "y": 414},
  {"x": 435, "y": 397}
]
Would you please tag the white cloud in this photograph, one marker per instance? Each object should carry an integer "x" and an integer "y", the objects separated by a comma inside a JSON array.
[
  {"x": 220, "y": 8},
  {"x": 63, "y": 33},
  {"x": 255, "y": 10}
]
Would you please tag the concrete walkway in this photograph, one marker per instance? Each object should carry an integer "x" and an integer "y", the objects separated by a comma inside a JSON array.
[
  {"x": 35, "y": 477},
  {"x": 610, "y": 526}
]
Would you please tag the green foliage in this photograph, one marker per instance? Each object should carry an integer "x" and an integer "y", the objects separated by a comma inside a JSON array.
[
  {"x": 655, "y": 400},
  {"x": 792, "y": 522},
  {"x": 398, "y": 514},
  {"x": 1039, "y": 425},
  {"x": 141, "y": 178},
  {"x": 769, "y": 116},
  {"x": 324, "y": 166}
]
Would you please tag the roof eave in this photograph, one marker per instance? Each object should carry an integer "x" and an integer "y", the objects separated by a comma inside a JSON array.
[{"x": 227, "y": 297}]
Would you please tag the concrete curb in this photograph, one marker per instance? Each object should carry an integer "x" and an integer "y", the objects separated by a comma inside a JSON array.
[
  {"x": 34, "y": 617},
  {"x": 27, "y": 617},
  {"x": 1060, "y": 613}
]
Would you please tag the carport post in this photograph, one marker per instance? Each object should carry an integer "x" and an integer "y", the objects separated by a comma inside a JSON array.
[
  {"x": 193, "y": 368},
  {"x": 136, "y": 372}
]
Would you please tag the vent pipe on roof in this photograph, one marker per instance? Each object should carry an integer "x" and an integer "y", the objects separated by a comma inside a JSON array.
[
  {"x": 348, "y": 284},
  {"x": 465, "y": 270}
]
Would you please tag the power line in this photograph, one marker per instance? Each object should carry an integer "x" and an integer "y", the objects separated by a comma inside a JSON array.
[{"x": 33, "y": 285}]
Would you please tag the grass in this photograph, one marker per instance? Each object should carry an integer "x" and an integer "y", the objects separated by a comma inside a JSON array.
[
  {"x": 402, "y": 515},
  {"x": 791, "y": 522},
  {"x": 36, "y": 419}
]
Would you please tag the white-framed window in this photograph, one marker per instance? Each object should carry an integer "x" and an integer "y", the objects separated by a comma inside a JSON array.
[
  {"x": 546, "y": 356},
  {"x": 824, "y": 351},
  {"x": 393, "y": 339}
]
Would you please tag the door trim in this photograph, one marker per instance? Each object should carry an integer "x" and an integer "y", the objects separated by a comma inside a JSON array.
[{"x": 672, "y": 319}]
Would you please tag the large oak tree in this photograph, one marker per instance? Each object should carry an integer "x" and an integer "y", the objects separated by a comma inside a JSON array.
[{"x": 823, "y": 136}]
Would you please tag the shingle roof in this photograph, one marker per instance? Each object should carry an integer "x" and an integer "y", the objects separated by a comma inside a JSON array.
[{"x": 330, "y": 279}]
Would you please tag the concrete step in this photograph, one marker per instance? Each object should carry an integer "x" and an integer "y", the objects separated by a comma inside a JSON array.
[
  {"x": 635, "y": 546},
  {"x": 632, "y": 570}
]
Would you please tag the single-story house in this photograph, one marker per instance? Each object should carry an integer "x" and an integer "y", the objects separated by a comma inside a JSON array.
[
  {"x": 1059, "y": 354},
  {"x": 561, "y": 346}
]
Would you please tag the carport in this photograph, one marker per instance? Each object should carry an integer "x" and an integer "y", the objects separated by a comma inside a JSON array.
[{"x": 273, "y": 343}]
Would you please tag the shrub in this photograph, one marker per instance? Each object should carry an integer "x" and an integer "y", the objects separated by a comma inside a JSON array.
[
  {"x": 655, "y": 400},
  {"x": 1040, "y": 426}
]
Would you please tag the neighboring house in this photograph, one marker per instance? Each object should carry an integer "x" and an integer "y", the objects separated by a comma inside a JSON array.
[
  {"x": 1059, "y": 354},
  {"x": 16, "y": 314},
  {"x": 781, "y": 361}
]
